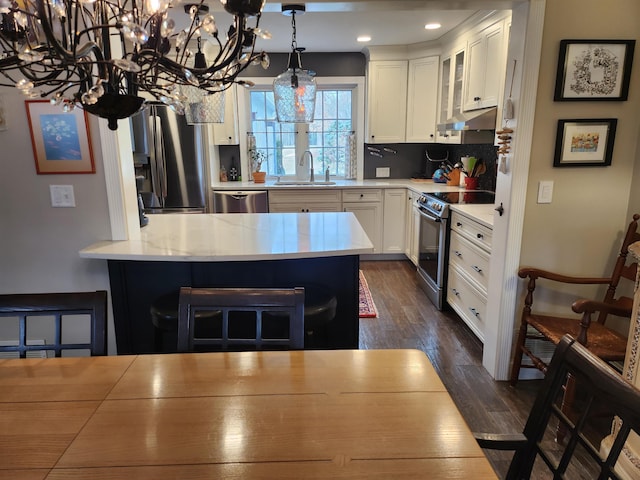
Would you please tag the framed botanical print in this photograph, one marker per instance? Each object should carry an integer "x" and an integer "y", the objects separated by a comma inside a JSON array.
[
  {"x": 585, "y": 143},
  {"x": 61, "y": 140},
  {"x": 594, "y": 70}
]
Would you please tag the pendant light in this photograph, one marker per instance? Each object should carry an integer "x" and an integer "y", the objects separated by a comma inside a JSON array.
[
  {"x": 200, "y": 106},
  {"x": 295, "y": 89}
]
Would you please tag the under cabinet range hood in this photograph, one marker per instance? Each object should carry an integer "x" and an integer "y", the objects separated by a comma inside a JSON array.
[
  {"x": 476, "y": 126},
  {"x": 484, "y": 119}
]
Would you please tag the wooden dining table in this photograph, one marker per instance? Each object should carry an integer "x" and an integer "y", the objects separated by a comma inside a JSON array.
[{"x": 343, "y": 414}]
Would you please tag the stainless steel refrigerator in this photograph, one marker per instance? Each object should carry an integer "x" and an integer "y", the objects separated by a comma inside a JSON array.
[{"x": 171, "y": 156}]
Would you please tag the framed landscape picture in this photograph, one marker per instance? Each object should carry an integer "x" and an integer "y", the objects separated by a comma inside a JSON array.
[
  {"x": 594, "y": 70},
  {"x": 585, "y": 143},
  {"x": 61, "y": 140}
]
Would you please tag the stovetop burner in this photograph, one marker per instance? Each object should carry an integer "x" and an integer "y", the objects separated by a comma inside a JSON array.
[{"x": 465, "y": 197}]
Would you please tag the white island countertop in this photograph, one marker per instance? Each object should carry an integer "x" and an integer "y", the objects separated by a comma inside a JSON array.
[{"x": 239, "y": 237}]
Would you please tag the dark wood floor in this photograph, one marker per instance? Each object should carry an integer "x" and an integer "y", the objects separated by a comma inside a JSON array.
[{"x": 407, "y": 319}]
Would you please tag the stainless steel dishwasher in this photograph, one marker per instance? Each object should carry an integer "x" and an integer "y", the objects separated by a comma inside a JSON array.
[{"x": 249, "y": 201}]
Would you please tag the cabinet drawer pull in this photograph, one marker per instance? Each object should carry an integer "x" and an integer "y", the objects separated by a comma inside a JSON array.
[
  {"x": 457, "y": 253},
  {"x": 476, "y": 268},
  {"x": 476, "y": 99},
  {"x": 474, "y": 311},
  {"x": 455, "y": 292},
  {"x": 479, "y": 235},
  {"x": 458, "y": 224}
]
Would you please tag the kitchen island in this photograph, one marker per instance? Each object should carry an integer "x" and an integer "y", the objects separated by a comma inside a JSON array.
[{"x": 239, "y": 250}]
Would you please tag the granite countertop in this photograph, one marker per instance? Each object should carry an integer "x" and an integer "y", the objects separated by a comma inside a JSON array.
[{"x": 239, "y": 237}]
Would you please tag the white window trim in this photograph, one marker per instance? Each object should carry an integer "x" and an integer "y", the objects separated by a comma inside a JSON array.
[{"x": 358, "y": 85}]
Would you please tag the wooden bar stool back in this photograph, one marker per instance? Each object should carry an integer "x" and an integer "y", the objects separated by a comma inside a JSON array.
[
  {"x": 29, "y": 308},
  {"x": 242, "y": 326}
]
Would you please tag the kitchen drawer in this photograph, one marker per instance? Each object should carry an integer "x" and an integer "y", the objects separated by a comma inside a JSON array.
[
  {"x": 471, "y": 259},
  {"x": 305, "y": 196},
  {"x": 362, "y": 195},
  {"x": 304, "y": 207},
  {"x": 472, "y": 230},
  {"x": 467, "y": 301}
]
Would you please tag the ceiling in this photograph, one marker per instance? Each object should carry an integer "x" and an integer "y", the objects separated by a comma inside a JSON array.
[{"x": 332, "y": 26}]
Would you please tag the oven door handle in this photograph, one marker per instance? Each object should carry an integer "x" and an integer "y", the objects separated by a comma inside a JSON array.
[{"x": 424, "y": 214}]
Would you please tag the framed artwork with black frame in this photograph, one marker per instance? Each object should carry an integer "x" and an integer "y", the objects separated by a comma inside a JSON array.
[
  {"x": 597, "y": 70},
  {"x": 585, "y": 143}
]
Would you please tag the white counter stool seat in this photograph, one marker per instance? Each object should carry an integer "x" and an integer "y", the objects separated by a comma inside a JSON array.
[{"x": 164, "y": 316}]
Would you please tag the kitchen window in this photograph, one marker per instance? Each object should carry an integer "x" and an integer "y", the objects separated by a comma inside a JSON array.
[{"x": 326, "y": 138}]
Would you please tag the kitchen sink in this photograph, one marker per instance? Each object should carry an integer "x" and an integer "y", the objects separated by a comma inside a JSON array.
[{"x": 302, "y": 182}]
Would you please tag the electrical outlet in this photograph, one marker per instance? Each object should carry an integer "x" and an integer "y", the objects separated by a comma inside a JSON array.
[
  {"x": 383, "y": 172},
  {"x": 62, "y": 196},
  {"x": 545, "y": 191}
]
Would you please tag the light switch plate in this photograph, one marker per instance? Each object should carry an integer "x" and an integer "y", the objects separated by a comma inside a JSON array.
[
  {"x": 383, "y": 172},
  {"x": 62, "y": 196},
  {"x": 545, "y": 191}
]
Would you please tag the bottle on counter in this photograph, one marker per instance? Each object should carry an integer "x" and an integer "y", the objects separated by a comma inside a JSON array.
[
  {"x": 223, "y": 174},
  {"x": 233, "y": 171}
]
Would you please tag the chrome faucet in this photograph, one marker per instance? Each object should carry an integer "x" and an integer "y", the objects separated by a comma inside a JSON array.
[{"x": 311, "y": 176}]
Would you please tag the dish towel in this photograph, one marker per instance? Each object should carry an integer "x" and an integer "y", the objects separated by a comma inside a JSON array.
[
  {"x": 251, "y": 145},
  {"x": 351, "y": 163}
]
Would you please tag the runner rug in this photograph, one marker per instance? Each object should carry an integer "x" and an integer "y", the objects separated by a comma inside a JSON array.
[{"x": 367, "y": 307}]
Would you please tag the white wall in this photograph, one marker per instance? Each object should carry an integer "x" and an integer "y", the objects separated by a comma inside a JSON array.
[{"x": 39, "y": 244}]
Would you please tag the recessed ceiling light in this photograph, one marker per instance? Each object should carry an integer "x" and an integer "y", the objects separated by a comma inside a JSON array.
[
  {"x": 432, "y": 26},
  {"x": 364, "y": 38}
]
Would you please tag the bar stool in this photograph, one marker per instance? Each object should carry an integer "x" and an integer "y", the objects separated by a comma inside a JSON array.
[
  {"x": 164, "y": 316},
  {"x": 319, "y": 310}
]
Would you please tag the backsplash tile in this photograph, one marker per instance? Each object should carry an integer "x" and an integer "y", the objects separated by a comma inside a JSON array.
[{"x": 410, "y": 159}]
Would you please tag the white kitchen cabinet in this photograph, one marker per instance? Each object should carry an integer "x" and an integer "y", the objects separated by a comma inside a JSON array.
[
  {"x": 422, "y": 99},
  {"x": 394, "y": 220},
  {"x": 486, "y": 68},
  {"x": 451, "y": 89},
  {"x": 468, "y": 274},
  {"x": 305, "y": 200},
  {"x": 366, "y": 205},
  {"x": 226, "y": 133},
  {"x": 387, "y": 101}
]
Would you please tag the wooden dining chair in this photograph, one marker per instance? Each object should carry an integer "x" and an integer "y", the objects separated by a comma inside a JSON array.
[
  {"x": 30, "y": 308},
  {"x": 595, "y": 335},
  {"x": 536, "y": 444},
  {"x": 242, "y": 325}
]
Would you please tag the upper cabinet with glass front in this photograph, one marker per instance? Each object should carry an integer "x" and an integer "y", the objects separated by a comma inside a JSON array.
[{"x": 451, "y": 87}]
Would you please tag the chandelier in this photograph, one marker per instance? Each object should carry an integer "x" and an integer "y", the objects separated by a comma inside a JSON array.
[
  {"x": 295, "y": 89},
  {"x": 108, "y": 56}
]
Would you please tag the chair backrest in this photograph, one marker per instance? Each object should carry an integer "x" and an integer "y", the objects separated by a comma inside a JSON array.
[
  {"x": 622, "y": 270},
  {"x": 600, "y": 385},
  {"x": 29, "y": 308},
  {"x": 251, "y": 319}
]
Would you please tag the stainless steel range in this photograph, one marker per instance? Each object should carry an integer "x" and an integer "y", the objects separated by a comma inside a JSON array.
[{"x": 433, "y": 249}]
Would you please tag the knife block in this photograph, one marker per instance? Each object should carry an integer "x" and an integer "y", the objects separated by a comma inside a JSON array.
[{"x": 454, "y": 177}]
